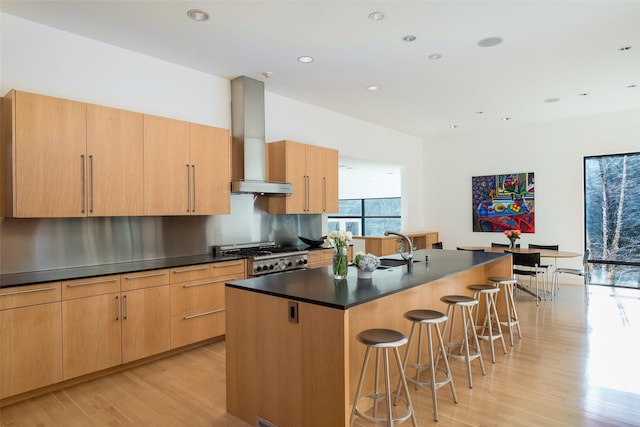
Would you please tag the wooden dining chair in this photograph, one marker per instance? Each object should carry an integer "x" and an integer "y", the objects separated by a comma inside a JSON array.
[{"x": 527, "y": 265}]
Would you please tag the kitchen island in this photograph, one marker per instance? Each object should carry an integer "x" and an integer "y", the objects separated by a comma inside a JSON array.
[{"x": 292, "y": 356}]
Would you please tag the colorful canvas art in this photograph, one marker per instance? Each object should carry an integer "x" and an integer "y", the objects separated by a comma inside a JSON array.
[{"x": 504, "y": 202}]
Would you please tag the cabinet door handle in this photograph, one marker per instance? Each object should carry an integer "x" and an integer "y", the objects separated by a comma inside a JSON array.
[
  {"x": 193, "y": 177},
  {"x": 188, "y": 188},
  {"x": 144, "y": 276},
  {"x": 126, "y": 307},
  {"x": 117, "y": 307},
  {"x": 187, "y": 270},
  {"x": 73, "y": 285},
  {"x": 324, "y": 194},
  {"x": 28, "y": 291},
  {"x": 91, "y": 182},
  {"x": 84, "y": 182},
  {"x": 203, "y": 314},
  {"x": 226, "y": 265},
  {"x": 210, "y": 282}
]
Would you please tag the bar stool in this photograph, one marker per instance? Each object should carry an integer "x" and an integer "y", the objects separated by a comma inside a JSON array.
[
  {"x": 382, "y": 340},
  {"x": 512, "y": 315},
  {"x": 465, "y": 304},
  {"x": 490, "y": 329},
  {"x": 428, "y": 319}
]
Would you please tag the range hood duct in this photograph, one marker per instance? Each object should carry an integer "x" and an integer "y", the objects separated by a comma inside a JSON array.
[{"x": 248, "y": 150}]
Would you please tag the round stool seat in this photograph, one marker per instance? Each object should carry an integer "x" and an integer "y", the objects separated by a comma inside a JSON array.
[
  {"x": 381, "y": 338},
  {"x": 503, "y": 280},
  {"x": 484, "y": 289},
  {"x": 425, "y": 316},
  {"x": 459, "y": 300}
]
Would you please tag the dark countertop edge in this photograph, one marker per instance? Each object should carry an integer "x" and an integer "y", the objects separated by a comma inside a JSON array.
[
  {"x": 238, "y": 285},
  {"x": 56, "y": 275}
]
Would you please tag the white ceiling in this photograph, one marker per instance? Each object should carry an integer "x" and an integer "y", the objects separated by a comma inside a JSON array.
[{"x": 551, "y": 49}]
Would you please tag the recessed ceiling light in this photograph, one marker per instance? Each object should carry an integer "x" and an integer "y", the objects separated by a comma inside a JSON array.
[
  {"x": 435, "y": 56},
  {"x": 632, "y": 86},
  {"x": 305, "y": 59},
  {"x": 409, "y": 38},
  {"x": 624, "y": 48},
  {"x": 551, "y": 100},
  {"x": 505, "y": 119},
  {"x": 267, "y": 74},
  {"x": 479, "y": 112},
  {"x": 490, "y": 42},
  {"x": 197, "y": 15},
  {"x": 373, "y": 88},
  {"x": 376, "y": 16},
  {"x": 455, "y": 126},
  {"x": 583, "y": 94}
]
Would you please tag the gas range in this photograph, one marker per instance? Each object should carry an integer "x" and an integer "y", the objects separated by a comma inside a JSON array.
[{"x": 266, "y": 257}]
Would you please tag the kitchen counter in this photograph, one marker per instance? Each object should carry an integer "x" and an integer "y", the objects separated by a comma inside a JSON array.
[
  {"x": 44, "y": 276},
  {"x": 317, "y": 286},
  {"x": 292, "y": 357}
]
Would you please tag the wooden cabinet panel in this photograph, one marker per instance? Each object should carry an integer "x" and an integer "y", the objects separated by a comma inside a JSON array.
[
  {"x": 144, "y": 279},
  {"x": 198, "y": 296},
  {"x": 79, "y": 288},
  {"x": 91, "y": 334},
  {"x": 189, "y": 272},
  {"x": 320, "y": 258},
  {"x": 188, "y": 329},
  {"x": 24, "y": 296},
  {"x": 166, "y": 166},
  {"x": 48, "y": 165},
  {"x": 228, "y": 268},
  {"x": 312, "y": 170},
  {"x": 210, "y": 170},
  {"x": 114, "y": 162},
  {"x": 31, "y": 343},
  {"x": 146, "y": 324}
]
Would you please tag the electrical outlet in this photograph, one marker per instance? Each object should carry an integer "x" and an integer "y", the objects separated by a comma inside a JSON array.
[{"x": 261, "y": 422}]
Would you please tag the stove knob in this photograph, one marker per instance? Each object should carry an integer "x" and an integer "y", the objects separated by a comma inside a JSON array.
[
  {"x": 289, "y": 264},
  {"x": 271, "y": 267},
  {"x": 304, "y": 261},
  {"x": 258, "y": 268}
]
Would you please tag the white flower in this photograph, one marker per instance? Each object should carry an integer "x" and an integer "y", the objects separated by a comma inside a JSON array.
[{"x": 339, "y": 238}]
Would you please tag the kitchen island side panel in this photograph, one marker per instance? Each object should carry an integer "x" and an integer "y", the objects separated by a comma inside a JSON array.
[{"x": 291, "y": 374}]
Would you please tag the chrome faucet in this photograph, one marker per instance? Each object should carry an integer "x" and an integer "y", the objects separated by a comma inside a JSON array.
[{"x": 407, "y": 244}]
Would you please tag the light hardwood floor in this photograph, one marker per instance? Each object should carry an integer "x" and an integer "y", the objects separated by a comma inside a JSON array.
[{"x": 574, "y": 367}]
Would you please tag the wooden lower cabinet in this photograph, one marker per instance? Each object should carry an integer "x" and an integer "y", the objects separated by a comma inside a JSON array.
[
  {"x": 324, "y": 257},
  {"x": 30, "y": 338},
  {"x": 198, "y": 306}
]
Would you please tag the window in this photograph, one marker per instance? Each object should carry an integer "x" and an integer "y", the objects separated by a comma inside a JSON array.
[
  {"x": 367, "y": 217},
  {"x": 612, "y": 218}
]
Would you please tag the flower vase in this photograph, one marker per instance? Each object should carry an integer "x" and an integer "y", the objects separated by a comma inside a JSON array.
[
  {"x": 512, "y": 244},
  {"x": 340, "y": 262},
  {"x": 364, "y": 274}
]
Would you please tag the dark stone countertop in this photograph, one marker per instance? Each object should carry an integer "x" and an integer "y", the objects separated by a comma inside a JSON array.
[
  {"x": 317, "y": 286},
  {"x": 44, "y": 276}
]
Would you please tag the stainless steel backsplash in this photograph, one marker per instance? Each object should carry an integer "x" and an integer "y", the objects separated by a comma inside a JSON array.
[{"x": 52, "y": 243}]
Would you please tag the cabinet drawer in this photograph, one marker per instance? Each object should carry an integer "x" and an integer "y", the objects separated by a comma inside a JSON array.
[
  {"x": 320, "y": 258},
  {"x": 188, "y": 329},
  {"x": 144, "y": 279},
  {"x": 90, "y": 286},
  {"x": 189, "y": 272},
  {"x": 227, "y": 268},
  {"x": 22, "y": 296},
  {"x": 187, "y": 298}
]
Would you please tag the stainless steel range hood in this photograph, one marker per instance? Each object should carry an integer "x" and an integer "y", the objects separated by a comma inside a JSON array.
[{"x": 248, "y": 151}]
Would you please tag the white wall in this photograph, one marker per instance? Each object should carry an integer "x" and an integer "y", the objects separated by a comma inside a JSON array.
[
  {"x": 553, "y": 150},
  {"x": 44, "y": 60}
]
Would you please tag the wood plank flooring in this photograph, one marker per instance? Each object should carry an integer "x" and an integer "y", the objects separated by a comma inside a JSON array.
[{"x": 574, "y": 367}]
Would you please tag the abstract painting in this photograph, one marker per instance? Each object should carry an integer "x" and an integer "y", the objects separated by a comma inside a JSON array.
[{"x": 504, "y": 202}]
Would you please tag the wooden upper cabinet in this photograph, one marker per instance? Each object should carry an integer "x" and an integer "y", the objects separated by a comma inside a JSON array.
[
  {"x": 114, "y": 162},
  {"x": 210, "y": 170},
  {"x": 47, "y": 170},
  {"x": 312, "y": 170},
  {"x": 167, "y": 171}
]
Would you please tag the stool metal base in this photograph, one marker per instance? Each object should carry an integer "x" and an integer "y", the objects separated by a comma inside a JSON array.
[
  {"x": 511, "y": 319},
  {"x": 490, "y": 329},
  {"x": 465, "y": 350},
  {"x": 382, "y": 340},
  {"x": 438, "y": 375}
]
